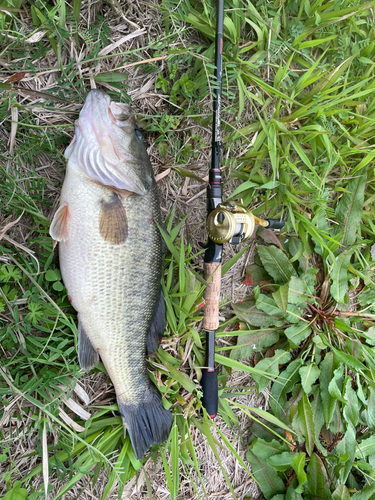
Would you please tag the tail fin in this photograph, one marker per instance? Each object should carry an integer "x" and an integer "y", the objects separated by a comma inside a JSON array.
[{"x": 147, "y": 422}]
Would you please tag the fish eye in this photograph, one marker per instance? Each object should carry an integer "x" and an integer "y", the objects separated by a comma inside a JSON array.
[{"x": 138, "y": 133}]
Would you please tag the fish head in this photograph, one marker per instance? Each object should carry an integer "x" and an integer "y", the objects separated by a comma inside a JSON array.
[{"x": 108, "y": 147}]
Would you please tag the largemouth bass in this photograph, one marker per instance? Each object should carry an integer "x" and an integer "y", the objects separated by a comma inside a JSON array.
[{"x": 111, "y": 253}]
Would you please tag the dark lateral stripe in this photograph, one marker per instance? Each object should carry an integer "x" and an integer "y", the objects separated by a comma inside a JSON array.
[{"x": 113, "y": 224}]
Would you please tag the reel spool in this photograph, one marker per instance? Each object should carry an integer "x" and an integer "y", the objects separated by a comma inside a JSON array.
[{"x": 232, "y": 221}]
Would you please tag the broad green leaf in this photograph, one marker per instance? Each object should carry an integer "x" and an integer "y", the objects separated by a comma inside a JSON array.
[
  {"x": 248, "y": 312},
  {"x": 298, "y": 332},
  {"x": 349, "y": 210},
  {"x": 339, "y": 277},
  {"x": 306, "y": 422},
  {"x": 296, "y": 249},
  {"x": 297, "y": 291},
  {"x": 267, "y": 478},
  {"x": 265, "y": 449},
  {"x": 253, "y": 342},
  {"x": 309, "y": 374},
  {"x": 16, "y": 492},
  {"x": 347, "y": 359},
  {"x": 366, "y": 494},
  {"x": 335, "y": 385},
  {"x": 327, "y": 367},
  {"x": 351, "y": 410},
  {"x": 341, "y": 493},
  {"x": 293, "y": 314},
  {"x": 347, "y": 446},
  {"x": 317, "y": 409},
  {"x": 276, "y": 263},
  {"x": 367, "y": 297},
  {"x": 53, "y": 275},
  {"x": 370, "y": 336},
  {"x": 271, "y": 366},
  {"x": 268, "y": 305},
  {"x": 281, "y": 462},
  {"x": 292, "y": 494},
  {"x": 298, "y": 464},
  {"x": 369, "y": 412},
  {"x": 317, "y": 484},
  {"x": 281, "y": 298},
  {"x": 283, "y": 385},
  {"x": 365, "y": 447}
]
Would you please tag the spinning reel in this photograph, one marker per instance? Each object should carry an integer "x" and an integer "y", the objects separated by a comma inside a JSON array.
[{"x": 231, "y": 221}]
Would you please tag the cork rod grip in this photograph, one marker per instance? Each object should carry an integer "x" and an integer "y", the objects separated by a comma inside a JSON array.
[{"x": 212, "y": 274}]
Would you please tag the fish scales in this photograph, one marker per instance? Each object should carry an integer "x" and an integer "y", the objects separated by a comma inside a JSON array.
[
  {"x": 111, "y": 261},
  {"x": 118, "y": 284}
]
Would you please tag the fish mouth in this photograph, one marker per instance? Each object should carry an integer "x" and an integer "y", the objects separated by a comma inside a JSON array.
[{"x": 98, "y": 104}]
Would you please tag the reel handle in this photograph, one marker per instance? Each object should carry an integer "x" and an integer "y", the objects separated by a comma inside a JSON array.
[
  {"x": 210, "y": 392},
  {"x": 275, "y": 224},
  {"x": 212, "y": 274}
]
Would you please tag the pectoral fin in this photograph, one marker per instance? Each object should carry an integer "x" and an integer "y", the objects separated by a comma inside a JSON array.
[
  {"x": 157, "y": 326},
  {"x": 113, "y": 224},
  {"x": 59, "y": 226},
  {"x": 87, "y": 356}
]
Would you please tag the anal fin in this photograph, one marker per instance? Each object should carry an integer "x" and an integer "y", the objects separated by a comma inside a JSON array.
[
  {"x": 59, "y": 226},
  {"x": 157, "y": 325},
  {"x": 87, "y": 356}
]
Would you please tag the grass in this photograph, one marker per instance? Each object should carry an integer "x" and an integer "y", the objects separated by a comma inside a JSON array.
[{"x": 298, "y": 118}]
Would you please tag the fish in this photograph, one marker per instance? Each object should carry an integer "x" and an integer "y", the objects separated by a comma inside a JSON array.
[{"x": 111, "y": 251}]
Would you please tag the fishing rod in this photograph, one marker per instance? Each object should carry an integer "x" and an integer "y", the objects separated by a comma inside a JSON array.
[
  {"x": 226, "y": 222},
  {"x": 213, "y": 253}
]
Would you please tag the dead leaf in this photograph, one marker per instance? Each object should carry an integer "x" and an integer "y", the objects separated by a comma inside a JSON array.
[
  {"x": 13, "y": 128},
  {"x": 36, "y": 37},
  {"x": 162, "y": 175},
  {"x": 9, "y": 225},
  {"x": 109, "y": 48},
  {"x": 45, "y": 459},
  {"x": 70, "y": 421},
  {"x": 269, "y": 236}
]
